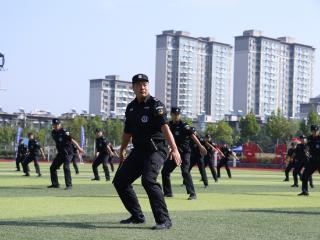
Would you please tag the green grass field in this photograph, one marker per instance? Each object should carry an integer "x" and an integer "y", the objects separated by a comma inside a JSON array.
[{"x": 251, "y": 205}]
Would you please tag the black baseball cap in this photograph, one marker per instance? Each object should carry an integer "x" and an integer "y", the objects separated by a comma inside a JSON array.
[
  {"x": 98, "y": 130},
  {"x": 175, "y": 110},
  {"x": 302, "y": 137},
  {"x": 140, "y": 77},
  {"x": 55, "y": 121},
  {"x": 314, "y": 128}
]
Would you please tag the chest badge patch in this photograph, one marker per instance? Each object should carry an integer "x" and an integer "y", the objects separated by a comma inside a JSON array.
[{"x": 144, "y": 119}]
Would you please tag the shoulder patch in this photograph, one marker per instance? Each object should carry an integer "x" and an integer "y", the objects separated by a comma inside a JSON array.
[{"x": 160, "y": 110}]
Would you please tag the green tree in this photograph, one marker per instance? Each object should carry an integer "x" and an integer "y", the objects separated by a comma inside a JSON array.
[
  {"x": 41, "y": 136},
  {"x": 312, "y": 119},
  {"x": 249, "y": 127},
  {"x": 115, "y": 135},
  {"x": 188, "y": 121},
  {"x": 74, "y": 126},
  {"x": 220, "y": 132},
  {"x": 92, "y": 124},
  {"x": 7, "y": 135},
  {"x": 278, "y": 128}
]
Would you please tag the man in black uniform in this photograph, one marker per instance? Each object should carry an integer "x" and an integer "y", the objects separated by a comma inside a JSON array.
[
  {"x": 227, "y": 153},
  {"x": 290, "y": 161},
  {"x": 197, "y": 158},
  {"x": 209, "y": 158},
  {"x": 146, "y": 124},
  {"x": 182, "y": 134},
  {"x": 313, "y": 164},
  {"x": 301, "y": 157},
  {"x": 74, "y": 159},
  {"x": 65, "y": 153},
  {"x": 21, "y": 154},
  {"x": 34, "y": 150},
  {"x": 103, "y": 152}
]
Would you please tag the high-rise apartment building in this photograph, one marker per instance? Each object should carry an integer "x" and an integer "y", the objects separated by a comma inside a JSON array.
[
  {"x": 194, "y": 74},
  {"x": 110, "y": 96},
  {"x": 271, "y": 74}
]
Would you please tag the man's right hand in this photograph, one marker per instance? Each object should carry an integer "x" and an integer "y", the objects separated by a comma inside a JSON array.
[{"x": 176, "y": 156}]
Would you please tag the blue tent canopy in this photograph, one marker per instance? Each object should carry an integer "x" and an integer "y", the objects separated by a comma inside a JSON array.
[{"x": 237, "y": 149}]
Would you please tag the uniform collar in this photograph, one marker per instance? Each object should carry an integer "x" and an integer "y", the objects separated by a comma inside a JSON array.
[
  {"x": 176, "y": 123},
  {"x": 145, "y": 100}
]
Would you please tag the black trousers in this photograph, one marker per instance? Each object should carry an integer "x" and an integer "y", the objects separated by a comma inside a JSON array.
[
  {"x": 74, "y": 163},
  {"x": 147, "y": 165},
  {"x": 19, "y": 160},
  {"x": 288, "y": 169},
  {"x": 298, "y": 166},
  {"x": 101, "y": 159},
  {"x": 110, "y": 160},
  {"x": 223, "y": 162},
  {"x": 29, "y": 159},
  {"x": 310, "y": 168},
  {"x": 65, "y": 159},
  {"x": 209, "y": 161},
  {"x": 169, "y": 167},
  {"x": 199, "y": 160}
]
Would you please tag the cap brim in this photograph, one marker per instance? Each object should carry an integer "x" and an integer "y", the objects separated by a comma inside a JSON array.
[{"x": 140, "y": 80}]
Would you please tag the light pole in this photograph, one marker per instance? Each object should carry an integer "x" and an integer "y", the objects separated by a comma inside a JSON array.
[
  {"x": 1, "y": 61},
  {"x": 1, "y": 68}
]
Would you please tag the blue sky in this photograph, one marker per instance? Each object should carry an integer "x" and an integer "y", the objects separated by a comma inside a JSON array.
[{"x": 53, "y": 47}]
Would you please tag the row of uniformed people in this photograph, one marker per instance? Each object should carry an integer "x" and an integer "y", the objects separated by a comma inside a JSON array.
[
  {"x": 304, "y": 159},
  {"x": 68, "y": 152}
]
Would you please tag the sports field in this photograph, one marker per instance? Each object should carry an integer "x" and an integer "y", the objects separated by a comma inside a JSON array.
[{"x": 252, "y": 205}]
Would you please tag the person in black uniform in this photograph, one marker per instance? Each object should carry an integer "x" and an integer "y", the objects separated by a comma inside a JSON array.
[
  {"x": 301, "y": 157},
  {"x": 197, "y": 158},
  {"x": 146, "y": 125},
  {"x": 290, "y": 161},
  {"x": 313, "y": 146},
  {"x": 110, "y": 159},
  {"x": 21, "y": 154},
  {"x": 33, "y": 154},
  {"x": 182, "y": 134},
  {"x": 103, "y": 152},
  {"x": 65, "y": 153},
  {"x": 75, "y": 157},
  {"x": 227, "y": 153},
  {"x": 209, "y": 158}
]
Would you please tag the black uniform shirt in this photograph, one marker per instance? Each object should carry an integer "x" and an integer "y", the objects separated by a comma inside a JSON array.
[
  {"x": 226, "y": 151},
  {"x": 63, "y": 141},
  {"x": 33, "y": 147},
  {"x": 209, "y": 149},
  {"x": 314, "y": 146},
  {"x": 194, "y": 147},
  {"x": 101, "y": 145},
  {"x": 181, "y": 132},
  {"x": 300, "y": 152},
  {"x": 144, "y": 121},
  {"x": 22, "y": 150},
  {"x": 290, "y": 152}
]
